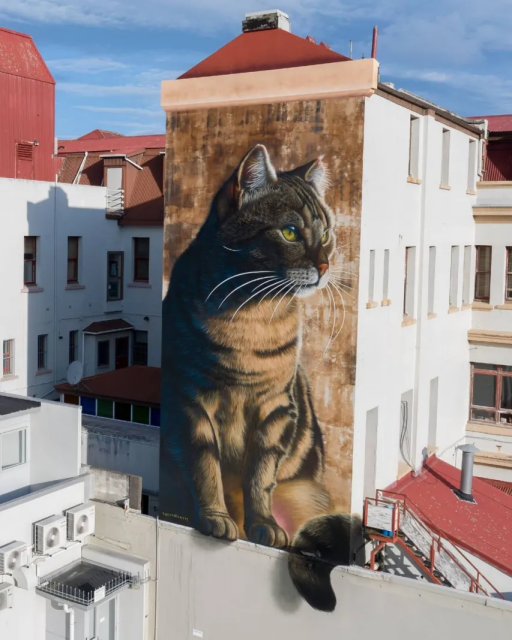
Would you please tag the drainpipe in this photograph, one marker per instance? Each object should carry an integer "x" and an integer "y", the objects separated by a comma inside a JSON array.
[
  {"x": 71, "y": 618},
  {"x": 55, "y": 322}
]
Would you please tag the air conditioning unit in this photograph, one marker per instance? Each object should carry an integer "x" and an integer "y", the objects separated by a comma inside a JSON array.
[
  {"x": 80, "y": 521},
  {"x": 50, "y": 534},
  {"x": 13, "y": 556},
  {"x": 6, "y": 590}
]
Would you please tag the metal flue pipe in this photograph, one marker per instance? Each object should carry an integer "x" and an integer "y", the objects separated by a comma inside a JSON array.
[{"x": 466, "y": 474}]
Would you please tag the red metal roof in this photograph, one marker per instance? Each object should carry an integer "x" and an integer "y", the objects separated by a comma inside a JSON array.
[
  {"x": 121, "y": 144},
  {"x": 484, "y": 529},
  {"x": 497, "y": 124},
  {"x": 132, "y": 384},
  {"x": 98, "y": 134},
  {"x": 261, "y": 51},
  {"x": 19, "y": 56},
  {"x": 106, "y": 326},
  {"x": 506, "y": 487}
]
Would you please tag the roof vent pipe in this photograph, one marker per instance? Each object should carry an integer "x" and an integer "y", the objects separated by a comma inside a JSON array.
[
  {"x": 466, "y": 474},
  {"x": 261, "y": 20}
]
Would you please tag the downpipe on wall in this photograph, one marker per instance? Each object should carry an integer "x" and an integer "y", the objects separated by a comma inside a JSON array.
[{"x": 71, "y": 620}]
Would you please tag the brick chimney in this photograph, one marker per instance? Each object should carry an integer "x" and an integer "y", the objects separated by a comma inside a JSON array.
[{"x": 262, "y": 20}]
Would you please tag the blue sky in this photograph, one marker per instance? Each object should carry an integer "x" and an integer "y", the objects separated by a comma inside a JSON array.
[{"x": 109, "y": 56}]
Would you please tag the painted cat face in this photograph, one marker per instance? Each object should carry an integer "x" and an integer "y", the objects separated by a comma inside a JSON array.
[{"x": 278, "y": 221}]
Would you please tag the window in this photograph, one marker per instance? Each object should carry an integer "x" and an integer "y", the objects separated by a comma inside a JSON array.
[
  {"x": 140, "y": 414},
  {"x": 385, "y": 284},
  {"x": 371, "y": 277},
  {"x": 140, "y": 348},
  {"x": 73, "y": 346},
  {"x": 491, "y": 393},
  {"x": 155, "y": 417},
  {"x": 445, "y": 159},
  {"x": 73, "y": 242},
  {"x": 104, "y": 353},
  {"x": 414, "y": 147},
  {"x": 105, "y": 408},
  {"x": 8, "y": 353},
  {"x": 13, "y": 448},
  {"x": 454, "y": 277},
  {"x": 141, "y": 259},
  {"x": 431, "y": 279},
  {"x": 472, "y": 165},
  {"x": 88, "y": 406},
  {"x": 115, "y": 276},
  {"x": 42, "y": 352},
  {"x": 409, "y": 284},
  {"x": 114, "y": 178},
  {"x": 483, "y": 273},
  {"x": 30, "y": 255},
  {"x": 123, "y": 411},
  {"x": 467, "y": 275},
  {"x": 508, "y": 275}
]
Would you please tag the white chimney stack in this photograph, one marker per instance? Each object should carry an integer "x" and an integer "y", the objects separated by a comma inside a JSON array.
[{"x": 261, "y": 20}]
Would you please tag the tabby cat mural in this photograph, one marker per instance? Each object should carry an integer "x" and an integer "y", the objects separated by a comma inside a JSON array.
[{"x": 241, "y": 446}]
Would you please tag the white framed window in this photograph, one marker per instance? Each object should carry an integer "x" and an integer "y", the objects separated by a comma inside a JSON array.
[
  {"x": 414, "y": 147},
  {"x": 454, "y": 277},
  {"x": 385, "y": 278},
  {"x": 8, "y": 357},
  {"x": 13, "y": 449}
]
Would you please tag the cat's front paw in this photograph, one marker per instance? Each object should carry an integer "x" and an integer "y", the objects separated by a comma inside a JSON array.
[
  {"x": 266, "y": 532},
  {"x": 217, "y": 524}
]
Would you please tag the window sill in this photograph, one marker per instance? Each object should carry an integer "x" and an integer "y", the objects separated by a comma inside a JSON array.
[
  {"x": 482, "y": 306},
  {"x": 506, "y": 307},
  {"x": 431, "y": 316},
  {"x": 139, "y": 285},
  {"x": 453, "y": 309},
  {"x": 445, "y": 187},
  {"x": 471, "y": 192},
  {"x": 43, "y": 372},
  {"x": 413, "y": 180},
  {"x": 489, "y": 428},
  {"x": 385, "y": 303},
  {"x": 32, "y": 289},
  {"x": 103, "y": 366},
  {"x": 371, "y": 305},
  {"x": 10, "y": 376},
  {"x": 466, "y": 306},
  {"x": 73, "y": 286},
  {"x": 407, "y": 321}
]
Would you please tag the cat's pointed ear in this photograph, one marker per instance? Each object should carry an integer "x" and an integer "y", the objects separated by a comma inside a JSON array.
[
  {"x": 256, "y": 170},
  {"x": 316, "y": 174}
]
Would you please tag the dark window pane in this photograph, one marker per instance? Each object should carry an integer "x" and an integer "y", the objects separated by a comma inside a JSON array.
[
  {"x": 506, "y": 419},
  {"x": 88, "y": 406},
  {"x": 506, "y": 392},
  {"x": 484, "y": 255},
  {"x": 483, "y": 286},
  {"x": 103, "y": 353},
  {"x": 141, "y": 269},
  {"x": 71, "y": 399},
  {"x": 72, "y": 247},
  {"x": 486, "y": 367},
  {"x": 142, "y": 247},
  {"x": 140, "y": 414},
  {"x": 507, "y": 368},
  {"x": 123, "y": 411},
  {"x": 482, "y": 415},
  {"x": 28, "y": 272},
  {"x": 155, "y": 417},
  {"x": 484, "y": 390},
  {"x": 105, "y": 409}
]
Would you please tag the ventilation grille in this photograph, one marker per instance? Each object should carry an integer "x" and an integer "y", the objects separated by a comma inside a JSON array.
[{"x": 25, "y": 151}]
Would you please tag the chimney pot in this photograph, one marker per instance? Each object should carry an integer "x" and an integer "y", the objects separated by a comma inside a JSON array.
[
  {"x": 466, "y": 473},
  {"x": 262, "y": 20}
]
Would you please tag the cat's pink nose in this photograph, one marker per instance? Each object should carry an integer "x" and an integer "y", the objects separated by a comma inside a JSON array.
[{"x": 322, "y": 268}]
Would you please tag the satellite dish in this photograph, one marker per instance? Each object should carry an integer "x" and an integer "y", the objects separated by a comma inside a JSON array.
[{"x": 74, "y": 373}]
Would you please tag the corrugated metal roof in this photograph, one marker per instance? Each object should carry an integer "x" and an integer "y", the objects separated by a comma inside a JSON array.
[
  {"x": 100, "y": 134},
  {"x": 483, "y": 528},
  {"x": 506, "y": 487},
  {"x": 498, "y": 165},
  {"x": 121, "y": 144},
  {"x": 19, "y": 56},
  {"x": 497, "y": 124},
  {"x": 262, "y": 51}
]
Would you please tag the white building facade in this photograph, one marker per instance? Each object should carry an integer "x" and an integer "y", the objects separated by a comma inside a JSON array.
[{"x": 69, "y": 266}]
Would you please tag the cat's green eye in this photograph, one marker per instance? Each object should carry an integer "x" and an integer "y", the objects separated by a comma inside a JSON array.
[
  {"x": 290, "y": 233},
  {"x": 325, "y": 237}
]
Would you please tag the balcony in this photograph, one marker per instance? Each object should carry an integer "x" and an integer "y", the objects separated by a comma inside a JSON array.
[{"x": 115, "y": 203}]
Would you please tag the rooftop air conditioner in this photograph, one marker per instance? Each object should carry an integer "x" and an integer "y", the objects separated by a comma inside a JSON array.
[
  {"x": 13, "y": 556},
  {"x": 6, "y": 590},
  {"x": 80, "y": 521},
  {"x": 50, "y": 534}
]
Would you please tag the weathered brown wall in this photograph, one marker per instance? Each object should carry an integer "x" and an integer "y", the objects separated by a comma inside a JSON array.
[{"x": 203, "y": 148}]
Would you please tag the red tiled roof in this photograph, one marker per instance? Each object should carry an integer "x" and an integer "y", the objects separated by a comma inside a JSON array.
[
  {"x": 497, "y": 124},
  {"x": 19, "y": 56},
  {"x": 105, "y": 326},
  {"x": 132, "y": 384},
  {"x": 145, "y": 206},
  {"x": 121, "y": 144},
  {"x": 262, "y": 51},
  {"x": 69, "y": 168},
  {"x": 484, "y": 529},
  {"x": 99, "y": 134}
]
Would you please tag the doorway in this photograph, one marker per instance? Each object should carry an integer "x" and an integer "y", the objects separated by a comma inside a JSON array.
[{"x": 122, "y": 352}]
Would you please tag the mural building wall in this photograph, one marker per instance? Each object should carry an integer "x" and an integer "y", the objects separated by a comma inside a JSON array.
[{"x": 261, "y": 251}]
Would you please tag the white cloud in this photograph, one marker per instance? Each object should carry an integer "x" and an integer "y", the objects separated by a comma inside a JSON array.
[{"x": 85, "y": 65}]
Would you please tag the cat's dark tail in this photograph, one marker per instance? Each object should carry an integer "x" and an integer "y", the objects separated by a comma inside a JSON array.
[{"x": 321, "y": 544}]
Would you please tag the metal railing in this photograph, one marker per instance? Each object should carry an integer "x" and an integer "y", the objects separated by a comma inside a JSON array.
[
  {"x": 115, "y": 201},
  {"x": 450, "y": 561},
  {"x": 86, "y": 598}
]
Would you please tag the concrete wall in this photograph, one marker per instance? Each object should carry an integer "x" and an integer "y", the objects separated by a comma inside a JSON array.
[
  {"x": 52, "y": 213},
  {"x": 240, "y": 590},
  {"x": 395, "y": 361}
]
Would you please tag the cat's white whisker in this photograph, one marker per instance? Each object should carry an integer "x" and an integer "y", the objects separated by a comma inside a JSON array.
[
  {"x": 293, "y": 285},
  {"x": 241, "y": 286},
  {"x": 328, "y": 289},
  {"x": 344, "y": 311},
  {"x": 259, "y": 286},
  {"x": 286, "y": 283},
  {"x": 271, "y": 286},
  {"x": 228, "y": 249},
  {"x": 336, "y": 283},
  {"x": 238, "y": 275},
  {"x": 295, "y": 295}
]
